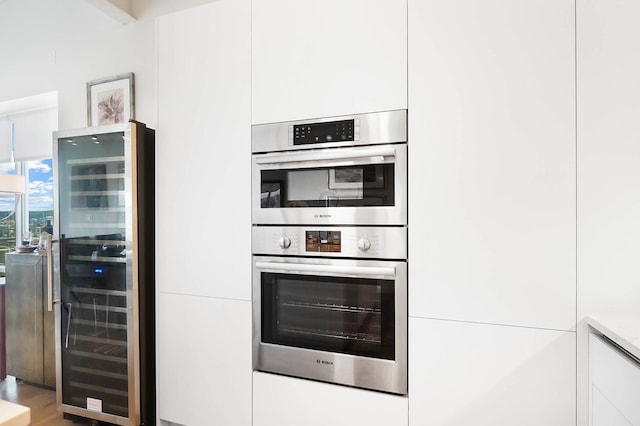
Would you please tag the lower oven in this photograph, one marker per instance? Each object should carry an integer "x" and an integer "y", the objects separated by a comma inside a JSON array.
[{"x": 330, "y": 304}]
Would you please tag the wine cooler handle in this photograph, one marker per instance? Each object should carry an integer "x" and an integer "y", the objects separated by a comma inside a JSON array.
[{"x": 50, "y": 301}]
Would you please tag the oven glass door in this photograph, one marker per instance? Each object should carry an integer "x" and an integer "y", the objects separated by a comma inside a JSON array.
[
  {"x": 337, "y": 186},
  {"x": 336, "y": 320},
  {"x": 354, "y": 316},
  {"x": 346, "y": 186}
]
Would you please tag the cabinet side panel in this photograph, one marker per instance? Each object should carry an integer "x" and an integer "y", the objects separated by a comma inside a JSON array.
[
  {"x": 204, "y": 360},
  {"x": 464, "y": 374}
]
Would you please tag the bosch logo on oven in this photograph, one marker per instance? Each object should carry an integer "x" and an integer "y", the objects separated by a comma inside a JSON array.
[{"x": 323, "y": 362}]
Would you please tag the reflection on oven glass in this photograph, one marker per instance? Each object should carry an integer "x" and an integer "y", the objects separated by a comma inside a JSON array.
[
  {"x": 270, "y": 199},
  {"x": 365, "y": 186},
  {"x": 345, "y": 315}
]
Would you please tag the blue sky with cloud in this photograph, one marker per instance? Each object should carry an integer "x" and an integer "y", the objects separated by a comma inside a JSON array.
[{"x": 40, "y": 186}]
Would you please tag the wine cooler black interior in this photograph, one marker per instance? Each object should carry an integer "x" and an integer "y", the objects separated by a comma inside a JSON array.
[
  {"x": 353, "y": 316},
  {"x": 94, "y": 322}
]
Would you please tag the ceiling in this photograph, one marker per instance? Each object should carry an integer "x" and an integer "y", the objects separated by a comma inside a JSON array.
[{"x": 29, "y": 103}]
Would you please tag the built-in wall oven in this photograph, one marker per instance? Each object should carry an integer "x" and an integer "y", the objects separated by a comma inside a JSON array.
[
  {"x": 329, "y": 242},
  {"x": 331, "y": 304}
]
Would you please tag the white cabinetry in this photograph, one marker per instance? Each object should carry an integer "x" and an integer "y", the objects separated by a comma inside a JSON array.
[
  {"x": 286, "y": 401},
  {"x": 614, "y": 385},
  {"x": 325, "y": 58},
  {"x": 204, "y": 151},
  {"x": 608, "y": 70},
  {"x": 463, "y": 374},
  {"x": 492, "y": 161},
  {"x": 204, "y": 360},
  {"x": 204, "y": 215}
]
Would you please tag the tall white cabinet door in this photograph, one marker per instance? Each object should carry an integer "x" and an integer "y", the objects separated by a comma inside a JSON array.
[
  {"x": 465, "y": 374},
  {"x": 287, "y": 401},
  {"x": 204, "y": 361},
  {"x": 324, "y": 58},
  {"x": 204, "y": 150},
  {"x": 608, "y": 174},
  {"x": 492, "y": 161}
]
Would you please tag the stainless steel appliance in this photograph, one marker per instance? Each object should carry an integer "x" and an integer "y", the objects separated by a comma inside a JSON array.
[
  {"x": 330, "y": 304},
  {"x": 329, "y": 238},
  {"x": 348, "y": 170},
  {"x": 30, "y": 331},
  {"x": 104, "y": 313}
]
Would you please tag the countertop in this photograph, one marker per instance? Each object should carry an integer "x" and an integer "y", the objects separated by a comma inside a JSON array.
[{"x": 624, "y": 332}]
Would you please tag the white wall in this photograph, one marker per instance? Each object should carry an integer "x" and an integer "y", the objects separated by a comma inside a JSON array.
[
  {"x": 608, "y": 167},
  {"x": 144, "y": 9},
  {"x": 60, "y": 45}
]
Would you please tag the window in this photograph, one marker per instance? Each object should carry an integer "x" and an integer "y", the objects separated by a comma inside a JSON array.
[
  {"x": 39, "y": 199},
  {"x": 33, "y": 211},
  {"x": 7, "y": 217}
]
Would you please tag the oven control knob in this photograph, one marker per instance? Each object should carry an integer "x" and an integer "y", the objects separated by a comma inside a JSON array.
[
  {"x": 364, "y": 244},
  {"x": 284, "y": 242}
]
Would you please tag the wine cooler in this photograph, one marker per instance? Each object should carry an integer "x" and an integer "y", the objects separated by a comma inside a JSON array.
[{"x": 102, "y": 282}]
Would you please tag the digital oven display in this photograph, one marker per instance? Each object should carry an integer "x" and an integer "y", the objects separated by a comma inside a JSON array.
[
  {"x": 335, "y": 131},
  {"x": 323, "y": 241}
]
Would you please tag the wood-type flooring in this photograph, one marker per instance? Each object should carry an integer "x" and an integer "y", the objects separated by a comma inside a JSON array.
[{"x": 41, "y": 401}]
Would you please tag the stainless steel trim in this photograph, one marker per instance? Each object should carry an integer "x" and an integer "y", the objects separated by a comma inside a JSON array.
[
  {"x": 385, "y": 242},
  {"x": 364, "y": 372},
  {"x": 130, "y": 131},
  {"x": 57, "y": 314},
  {"x": 50, "y": 300},
  {"x": 111, "y": 128},
  {"x": 133, "y": 334},
  {"x": 329, "y": 157},
  {"x": 371, "y": 129},
  {"x": 110, "y": 418},
  {"x": 387, "y": 215},
  {"x": 332, "y": 270}
]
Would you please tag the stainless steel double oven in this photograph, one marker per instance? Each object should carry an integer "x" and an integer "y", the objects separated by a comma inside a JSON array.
[{"x": 329, "y": 242}]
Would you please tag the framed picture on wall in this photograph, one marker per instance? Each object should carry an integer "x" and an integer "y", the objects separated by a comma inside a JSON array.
[{"x": 110, "y": 100}]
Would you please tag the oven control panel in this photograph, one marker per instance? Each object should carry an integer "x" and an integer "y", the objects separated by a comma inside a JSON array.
[
  {"x": 352, "y": 242},
  {"x": 333, "y": 131},
  {"x": 323, "y": 241}
]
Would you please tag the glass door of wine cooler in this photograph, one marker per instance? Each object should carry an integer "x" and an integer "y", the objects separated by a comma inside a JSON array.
[{"x": 94, "y": 314}]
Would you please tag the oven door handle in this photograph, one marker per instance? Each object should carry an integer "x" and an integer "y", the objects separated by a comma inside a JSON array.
[
  {"x": 374, "y": 154},
  {"x": 358, "y": 271}
]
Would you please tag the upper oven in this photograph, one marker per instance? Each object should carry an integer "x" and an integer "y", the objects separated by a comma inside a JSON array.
[{"x": 348, "y": 170}]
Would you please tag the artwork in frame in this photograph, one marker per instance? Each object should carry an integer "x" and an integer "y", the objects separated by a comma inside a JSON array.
[{"x": 110, "y": 100}]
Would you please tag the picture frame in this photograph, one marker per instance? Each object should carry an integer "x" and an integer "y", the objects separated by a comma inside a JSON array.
[{"x": 110, "y": 100}]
